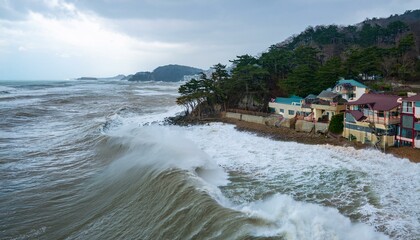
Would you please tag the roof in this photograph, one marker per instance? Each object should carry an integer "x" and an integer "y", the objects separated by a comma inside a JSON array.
[
  {"x": 352, "y": 82},
  {"x": 311, "y": 96},
  {"x": 288, "y": 100},
  {"x": 328, "y": 94},
  {"x": 414, "y": 98},
  {"x": 356, "y": 114},
  {"x": 380, "y": 102}
]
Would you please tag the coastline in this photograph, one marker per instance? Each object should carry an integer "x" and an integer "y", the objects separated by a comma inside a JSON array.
[{"x": 287, "y": 134}]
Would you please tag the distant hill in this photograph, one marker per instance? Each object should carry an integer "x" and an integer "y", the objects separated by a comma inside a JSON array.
[
  {"x": 87, "y": 78},
  {"x": 167, "y": 73},
  {"x": 118, "y": 77}
]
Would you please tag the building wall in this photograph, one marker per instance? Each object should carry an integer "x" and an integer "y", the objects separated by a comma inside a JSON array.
[
  {"x": 358, "y": 93},
  {"x": 286, "y": 108},
  {"x": 366, "y": 137},
  {"x": 320, "y": 110}
]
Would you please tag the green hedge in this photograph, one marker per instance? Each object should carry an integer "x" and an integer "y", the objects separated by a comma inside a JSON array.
[{"x": 336, "y": 123}]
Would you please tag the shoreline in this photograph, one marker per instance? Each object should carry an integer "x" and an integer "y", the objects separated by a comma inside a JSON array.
[{"x": 287, "y": 134}]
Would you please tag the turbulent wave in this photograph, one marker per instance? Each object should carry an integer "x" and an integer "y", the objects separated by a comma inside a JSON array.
[
  {"x": 96, "y": 161},
  {"x": 172, "y": 187}
]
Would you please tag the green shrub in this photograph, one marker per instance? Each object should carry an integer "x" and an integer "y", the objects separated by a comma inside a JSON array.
[{"x": 336, "y": 124}]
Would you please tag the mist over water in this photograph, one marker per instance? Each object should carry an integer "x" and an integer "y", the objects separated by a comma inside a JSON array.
[{"x": 94, "y": 160}]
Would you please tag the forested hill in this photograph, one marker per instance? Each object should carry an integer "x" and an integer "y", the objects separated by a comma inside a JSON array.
[
  {"x": 380, "y": 32},
  {"x": 167, "y": 73},
  {"x": 386, "y": 49}
]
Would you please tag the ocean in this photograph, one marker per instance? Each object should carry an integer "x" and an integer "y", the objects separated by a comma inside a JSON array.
[{"x": 95, "y": 160}]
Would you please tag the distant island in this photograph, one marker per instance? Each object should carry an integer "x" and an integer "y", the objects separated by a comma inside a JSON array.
[
  {"x": 118, "y": 77},
  {"x": 167, "y": 73}
]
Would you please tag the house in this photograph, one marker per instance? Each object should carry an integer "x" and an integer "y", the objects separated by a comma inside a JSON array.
[
  {"x": 288, "y": 107},
  {"x": 373, "y": 118},
  {"x": 409, "y": 133},
  {"x": 350, "y": 89},
  {"x": 326, "y": 105}
]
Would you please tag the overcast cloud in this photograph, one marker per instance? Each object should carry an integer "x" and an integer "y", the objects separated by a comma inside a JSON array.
[{"x": 60, "y": 39}]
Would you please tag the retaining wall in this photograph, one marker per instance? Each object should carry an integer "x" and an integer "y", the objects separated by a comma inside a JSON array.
[{"x": 300, "y": 125}]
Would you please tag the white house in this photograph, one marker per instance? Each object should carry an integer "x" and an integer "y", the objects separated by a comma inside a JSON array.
[{"x": 350, "y": 89}]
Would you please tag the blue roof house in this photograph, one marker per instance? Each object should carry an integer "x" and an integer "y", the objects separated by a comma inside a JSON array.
[{"x": 288, "y": 107}]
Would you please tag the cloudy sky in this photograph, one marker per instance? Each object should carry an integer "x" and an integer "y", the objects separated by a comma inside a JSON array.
[{"x": 60, "y": 39}]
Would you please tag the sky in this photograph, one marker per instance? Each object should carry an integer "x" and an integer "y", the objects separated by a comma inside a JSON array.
[{"x": 64, "y": 39}]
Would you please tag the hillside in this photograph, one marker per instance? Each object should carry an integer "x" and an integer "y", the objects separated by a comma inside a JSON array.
[
  {"x": 378, "y": 48},
  {"x": 380, "y": 32},
  {"x": 168, "y": 73}
]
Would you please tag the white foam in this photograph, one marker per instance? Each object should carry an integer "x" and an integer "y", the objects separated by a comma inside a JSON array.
[
  {"x": 163, "y": 147},
  {"x": 379, "y": 187},
  {"x": 298, "y": 220},
  {"x": 150, "y": 92}
]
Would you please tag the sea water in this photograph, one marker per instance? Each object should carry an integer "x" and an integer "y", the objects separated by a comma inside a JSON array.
[{"x": 95, "y": 160}]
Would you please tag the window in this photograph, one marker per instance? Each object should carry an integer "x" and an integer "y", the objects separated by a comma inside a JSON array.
[
  {"x": 281, "y": 110},
  {"x": 406, "y": 133},
  {"x": 407, "y": 121},
  {"x": 381, "y": 114},
  {"x": 407, "y": 107},
  {"x": 291, "y": 112}
]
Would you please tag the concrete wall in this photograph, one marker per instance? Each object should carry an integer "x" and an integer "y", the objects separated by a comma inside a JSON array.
[
  {"x": 253, "y": 119},
  {"x": 248, "y": 118},
  {"x": 300, "y": 125},
  {"x": 321, "y": 127},
  {"x": 304, "y": 126},
  {"x": 234, "y": 115},
  {"x": 269, "y": 121}
]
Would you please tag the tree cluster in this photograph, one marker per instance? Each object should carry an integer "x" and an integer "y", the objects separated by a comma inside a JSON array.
[{"x": 301, "y": 67}]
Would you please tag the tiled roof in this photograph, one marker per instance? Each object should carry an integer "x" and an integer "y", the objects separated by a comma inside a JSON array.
[
  {"x": 356, "y": 114},
  {"x": 310, "y": 96},
  {"x": 379, "y": 102},
  {"x": 327, "y": 94},
  {"x": 414, "y": 98},
  {"x": 351, "y": 82}
]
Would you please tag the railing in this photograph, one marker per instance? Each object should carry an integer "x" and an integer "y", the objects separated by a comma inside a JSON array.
[{"x": 383, "y": 120}]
